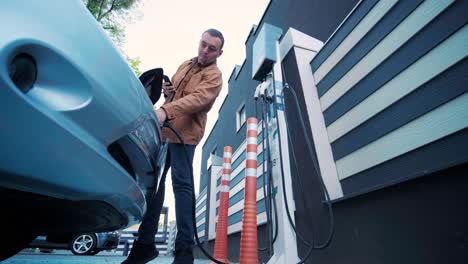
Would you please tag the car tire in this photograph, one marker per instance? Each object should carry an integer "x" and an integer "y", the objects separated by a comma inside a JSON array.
[
  {"x": 83, "y": 244},
  {"x": 94, "y": 252}
]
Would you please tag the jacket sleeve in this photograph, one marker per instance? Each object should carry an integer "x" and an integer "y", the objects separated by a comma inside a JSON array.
[{"x": 203, "y": 96}]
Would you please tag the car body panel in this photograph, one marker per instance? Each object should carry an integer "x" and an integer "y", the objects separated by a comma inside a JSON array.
[{"x": 54, "y": 139}]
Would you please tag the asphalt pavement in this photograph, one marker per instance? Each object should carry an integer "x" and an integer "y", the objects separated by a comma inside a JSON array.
[{"x": 65, "y": 257}]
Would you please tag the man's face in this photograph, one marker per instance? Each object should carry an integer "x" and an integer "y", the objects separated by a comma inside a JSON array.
[{"x": 209, "y": 49}]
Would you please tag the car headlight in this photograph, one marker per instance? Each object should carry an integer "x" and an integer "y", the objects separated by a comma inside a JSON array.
[{"x": 147, "y": 137}]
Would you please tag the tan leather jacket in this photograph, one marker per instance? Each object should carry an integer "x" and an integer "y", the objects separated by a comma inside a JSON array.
[{"x": 196, "y": 90}]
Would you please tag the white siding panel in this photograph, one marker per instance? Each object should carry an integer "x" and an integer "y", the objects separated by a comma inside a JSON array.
[
  {"x": 366, "y": 24},
  {"x": 436, "y": 61},
  {"x": 427, "y": 11},
  {"x": 442, "y": 121}
]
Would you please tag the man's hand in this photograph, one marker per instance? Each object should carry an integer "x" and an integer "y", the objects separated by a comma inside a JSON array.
[
  {"x": 168, "y": 89},
  {"x": 161, "y": 115}
]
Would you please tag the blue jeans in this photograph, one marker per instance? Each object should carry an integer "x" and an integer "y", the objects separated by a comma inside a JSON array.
[{"x": 182, "y": 186}]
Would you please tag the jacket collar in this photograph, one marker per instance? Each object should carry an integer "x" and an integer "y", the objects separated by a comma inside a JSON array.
[{"x": 195, "y": 61}]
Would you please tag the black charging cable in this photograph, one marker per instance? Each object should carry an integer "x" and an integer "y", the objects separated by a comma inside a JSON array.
[
  {"x": 270, "y": 185},
  {"x": 322, "y": 184},
  {"x": 168, "y": 125},
  {"x": 283, "y": 181},
  {"x": 269, "y": 200},
  {"x": 265, "y": 200},
  {"x": 311, "y": 245}
]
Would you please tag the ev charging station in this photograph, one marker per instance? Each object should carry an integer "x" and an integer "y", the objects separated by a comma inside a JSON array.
[
  {"x": 269, "y": 51},
  {"x": 265, "y": 52}
]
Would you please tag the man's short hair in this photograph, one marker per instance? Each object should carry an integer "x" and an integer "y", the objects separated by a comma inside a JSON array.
[{"x": 216, "y": 33}]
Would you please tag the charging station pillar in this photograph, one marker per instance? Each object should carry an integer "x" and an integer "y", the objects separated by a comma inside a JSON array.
[
  {"x": 304, "y": 48},
  {"x": 266, "y": 69}
]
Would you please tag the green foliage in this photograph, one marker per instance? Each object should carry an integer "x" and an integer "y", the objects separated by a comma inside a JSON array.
[
  {"x": 103, "y": 9},
  {"x": 112, "y": 15},
  {"x": 135, "y": 63}
]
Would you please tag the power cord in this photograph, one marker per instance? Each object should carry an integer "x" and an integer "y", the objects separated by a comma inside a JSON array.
[
  {"x": 265, "y": 103},
  {"x": 270, "y": 177},
  {"x": 309, "y": 146},
  {"x": 168, "y": 125},
  {"x": 322, "y": 184},
  {"x": 268, "y": 180},
  {"x": 283, "y": 181},
  {"x": 265, "y": 200}
]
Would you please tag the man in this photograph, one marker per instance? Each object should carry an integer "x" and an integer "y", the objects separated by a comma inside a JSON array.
[{"x": 196, "y": 84}]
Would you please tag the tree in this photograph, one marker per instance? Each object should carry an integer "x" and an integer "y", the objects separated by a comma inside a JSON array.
[
  {"x": 112, "y": 15},
  {"x": 135, "y": 63}
]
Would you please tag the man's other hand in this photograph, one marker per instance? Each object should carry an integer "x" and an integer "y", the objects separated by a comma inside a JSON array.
[
  {"x": 168, "y": 89},
  {"x": 161, "y": 115}
]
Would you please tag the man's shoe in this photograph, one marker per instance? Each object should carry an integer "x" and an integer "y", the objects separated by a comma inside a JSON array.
[
  {"x": 183, "y": 256},
  {"x": 141, "y": 253}
]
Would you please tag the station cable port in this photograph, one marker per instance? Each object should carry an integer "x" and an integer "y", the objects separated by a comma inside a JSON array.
[{"x": 262, "y": 93}]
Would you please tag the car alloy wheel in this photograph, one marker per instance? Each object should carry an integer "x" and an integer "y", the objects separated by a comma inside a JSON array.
[{"x": 83, "y": 244}]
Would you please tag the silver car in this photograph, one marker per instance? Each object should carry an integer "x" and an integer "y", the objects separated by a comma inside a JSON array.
[
  {"x": 79, "y": 141},
  {"x": 79, "y": 244}
]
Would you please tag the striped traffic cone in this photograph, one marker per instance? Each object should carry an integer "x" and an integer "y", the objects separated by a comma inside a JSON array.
[
  {"x": 248, "y": 246},
  {"x": 220, "y": 249}
]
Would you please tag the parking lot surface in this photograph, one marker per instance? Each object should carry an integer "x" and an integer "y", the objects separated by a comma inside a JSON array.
[{"x": 64, "y": 257}]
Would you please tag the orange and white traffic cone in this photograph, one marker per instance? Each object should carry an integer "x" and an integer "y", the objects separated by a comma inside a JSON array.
[
  {"x": 248, "y": 242},
  {"x": 220, "y": 249}
]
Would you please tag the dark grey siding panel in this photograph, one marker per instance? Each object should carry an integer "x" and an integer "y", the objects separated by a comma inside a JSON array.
[
  {"x": 444, "y": 153},
  {"x": 316, "y": 18},
  {"x": 238, "y": 161},
  {"x": 201, "y": 228},
  {"x": 206, "y": 150},
  {"x": 447, "y": 23},
  {"x": 358, "y": 14},
  {"x": 390, "y": 21},
  {"x": 311, "y": 215},
  {"x": 200, "y": 217},
  {"x": 441, "y": 89},
  {"x": 236, "y": 198},
  {"x": 200, "y": 206},
  {"x": 200, "y": 195},
  {"x": 203, "y": 192},
  {"x": 237, "y": 179},
  {"x": 419, "y": 221}
]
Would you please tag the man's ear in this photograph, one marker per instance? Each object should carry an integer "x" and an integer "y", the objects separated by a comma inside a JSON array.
[{"x": 220, "y": 53}]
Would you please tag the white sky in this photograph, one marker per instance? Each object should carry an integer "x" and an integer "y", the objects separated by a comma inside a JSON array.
[{"x": 166, "y": 33}]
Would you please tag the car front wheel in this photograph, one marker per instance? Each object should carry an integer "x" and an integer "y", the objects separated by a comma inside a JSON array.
[{"x": 83, "y": 244}]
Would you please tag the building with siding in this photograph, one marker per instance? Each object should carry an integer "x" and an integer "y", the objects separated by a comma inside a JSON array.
[
  {"x": 238, "y": 105},
  {"x": 385, "y": 96}
]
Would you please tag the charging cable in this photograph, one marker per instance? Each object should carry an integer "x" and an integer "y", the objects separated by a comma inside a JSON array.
[
  {"x": 311, "y": 245},
  {"x": 267, "y": 176},
  {"x": 168, "y": 125}
]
